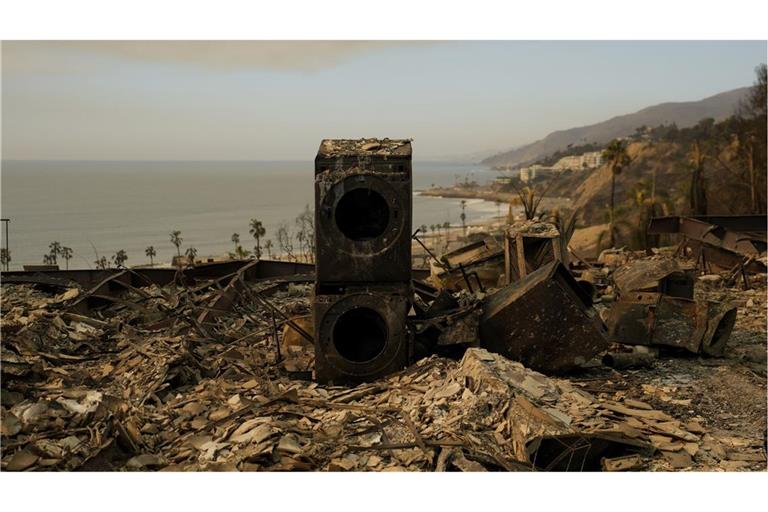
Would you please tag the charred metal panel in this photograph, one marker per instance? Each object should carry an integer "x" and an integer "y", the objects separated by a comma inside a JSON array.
[
  {"x": 545, "y": 321},
  {"x": 161, "y": 276},
  {"x": 661, "y": 275},
  {"x": 721, "y": 318},
  {"x": 656, "y": 319},
  {"x": 360, "y": 334},
  {"x": 363, "y": 205},
  {"x": 739, "y": 223},
  {"x": 748, "y": 243}
]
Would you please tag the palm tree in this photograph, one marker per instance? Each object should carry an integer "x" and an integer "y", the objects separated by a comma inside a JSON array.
[
  {"x": 268, "y": 247},
  {"x": 176, "y": 240},
  {"x": 101, "y": 263},
  {"x": 463, "y": 217},
  {"x": 151, "y": 253},
  {"x": 49, "y": 259},
  {"x": 5, "y": 257},
  {"x": 616, "y": 156},
  {"x": 66, "y": 253},
  {"x": 191, "y": 254},
  {"x": 423, "y": 228},
  {"x": 241, "y": 253},
  {"x": 235, "y": 240},
  {"x": 446, "y": 227},
  {"x": 257, "y": 231},
  {"x": 697, "y": 191},
  {"x": 55, "y": 248},
  {"x": 119, "y": 258}
]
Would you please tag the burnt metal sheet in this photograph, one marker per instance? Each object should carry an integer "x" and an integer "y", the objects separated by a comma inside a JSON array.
[
  {"x": 161, "y": 276},
  {"x": 723, "y": 258},
  {"x": 716, "y": 235},
  {"x": 656, "y": 319},
  {"x": 473, "y": 267},
  {"x": 721, "y": 318},
  {"x": 471, "y": 253},
  {"x": 545, "y": 321},
  {"x": 459, "y": 326},
  {"x": 726, "y": 241},
  {"x": 665, "y": 275},
  {"x": 740, "y": 223},
  {"x": 40, "y": 280}
]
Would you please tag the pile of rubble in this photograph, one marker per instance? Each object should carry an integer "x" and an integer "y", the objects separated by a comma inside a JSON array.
[{"x": 171, "y": 378}]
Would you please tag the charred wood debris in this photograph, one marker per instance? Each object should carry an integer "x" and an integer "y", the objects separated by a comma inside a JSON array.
[{"x": 521, "y": 356}]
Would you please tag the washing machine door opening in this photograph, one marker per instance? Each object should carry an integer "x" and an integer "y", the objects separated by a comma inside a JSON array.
[
  {"x": 360, "y": 335},
  {"x": 362, "y": 214}
]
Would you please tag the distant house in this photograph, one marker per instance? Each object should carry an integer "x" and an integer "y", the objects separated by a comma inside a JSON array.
[{"x": 589, "y": 160}]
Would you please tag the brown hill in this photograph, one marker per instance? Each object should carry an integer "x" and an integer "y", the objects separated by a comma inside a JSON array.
[{"x": 683, "y": 114}]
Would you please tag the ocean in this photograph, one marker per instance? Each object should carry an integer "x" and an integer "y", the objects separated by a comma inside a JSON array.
[{"x": 98, "y": 208}]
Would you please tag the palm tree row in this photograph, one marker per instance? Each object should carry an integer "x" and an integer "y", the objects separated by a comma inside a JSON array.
[{"x": 55, "y": 249}]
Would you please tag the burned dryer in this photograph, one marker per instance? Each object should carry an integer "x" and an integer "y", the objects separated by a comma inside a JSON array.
[{"x": 363, "y": 208}]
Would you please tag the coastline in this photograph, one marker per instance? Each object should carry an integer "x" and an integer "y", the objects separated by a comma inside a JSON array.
[
  {"x": 469, "y": 193},
  {"x": 492, "y": 196}
]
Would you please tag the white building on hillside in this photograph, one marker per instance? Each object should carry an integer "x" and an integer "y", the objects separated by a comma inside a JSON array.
[{"x": 579, "y": 162}]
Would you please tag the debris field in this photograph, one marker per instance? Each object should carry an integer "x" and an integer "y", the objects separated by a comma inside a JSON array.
[{"x": 211, "y": 375}]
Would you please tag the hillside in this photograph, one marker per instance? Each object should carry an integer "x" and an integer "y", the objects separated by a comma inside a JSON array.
[
  {"x": 666, "y": 163},
  {"x": 683, "y": 114}
]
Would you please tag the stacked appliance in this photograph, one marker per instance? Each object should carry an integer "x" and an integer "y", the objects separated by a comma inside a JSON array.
[{"x": 363, "y": 191}]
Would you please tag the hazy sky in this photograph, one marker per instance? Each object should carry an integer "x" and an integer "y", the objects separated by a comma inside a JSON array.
[{"x": 277, "y": 100}]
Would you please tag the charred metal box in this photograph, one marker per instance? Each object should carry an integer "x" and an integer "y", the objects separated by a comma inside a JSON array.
[
  {"x": 363, "y": 192},
  {"x": 545, "y": 321},
  {"x": 360, "y": 332}
]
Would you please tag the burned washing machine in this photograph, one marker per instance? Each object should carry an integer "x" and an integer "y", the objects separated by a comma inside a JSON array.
[{"x": 361, "y": 334}]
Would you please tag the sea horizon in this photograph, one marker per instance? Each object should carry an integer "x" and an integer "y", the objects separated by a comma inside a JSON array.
[{"x": 98, "y": 207}]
